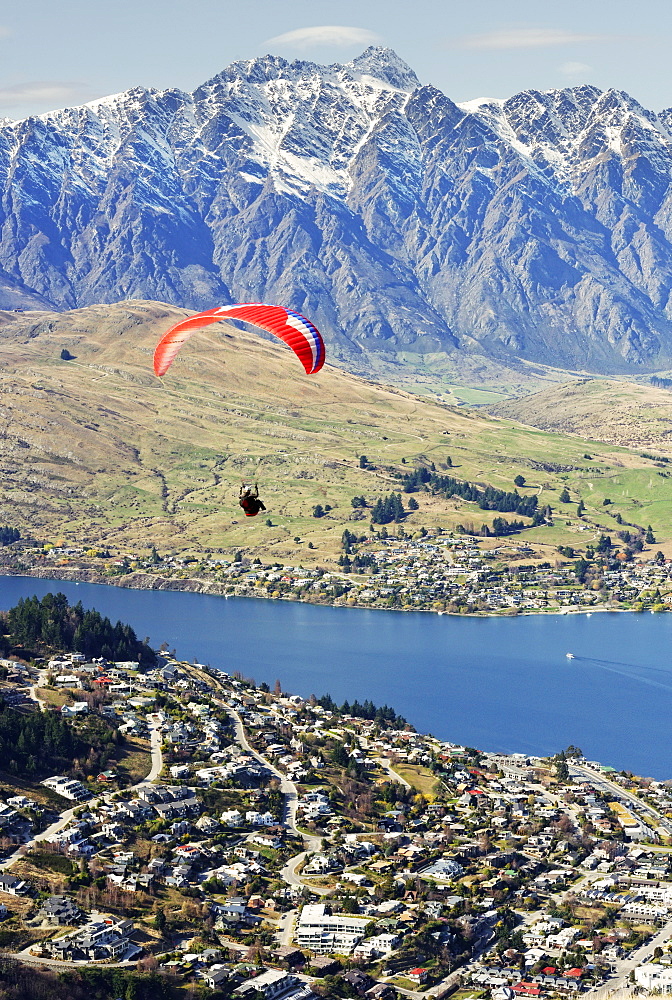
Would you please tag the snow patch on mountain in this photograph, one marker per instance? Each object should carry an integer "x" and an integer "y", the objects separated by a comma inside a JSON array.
[{"x": 539, "y": 225}]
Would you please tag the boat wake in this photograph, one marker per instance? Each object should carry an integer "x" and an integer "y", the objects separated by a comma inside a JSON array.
[{"x": 632, "y": 671}]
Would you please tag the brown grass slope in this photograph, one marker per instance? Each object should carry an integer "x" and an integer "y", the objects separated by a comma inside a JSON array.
[
  {"x": 98, "y": 450},
  {"x": 614, "y": 412}
]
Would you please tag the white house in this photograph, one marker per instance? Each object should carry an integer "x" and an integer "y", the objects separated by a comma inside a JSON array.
[
  {"x": 654, "y": 977},
  {"x": 78, "y": 708},
  {"x": 324, "y": 932},
  {"x": 259, "y": 819},
  {"x": 232, "y": 817}
]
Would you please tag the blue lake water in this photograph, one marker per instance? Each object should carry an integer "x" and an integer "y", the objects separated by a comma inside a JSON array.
[{"x": 501, "y": 684}]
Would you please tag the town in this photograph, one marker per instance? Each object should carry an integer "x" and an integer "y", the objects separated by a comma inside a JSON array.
[
  {"x": 240, "y": 839},
  {"x": 437, "y": 571}
]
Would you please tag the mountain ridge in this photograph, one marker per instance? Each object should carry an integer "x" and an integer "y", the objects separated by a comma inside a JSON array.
[{"x": 536, "y": 228}]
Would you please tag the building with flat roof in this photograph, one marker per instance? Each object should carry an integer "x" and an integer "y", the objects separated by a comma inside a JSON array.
[
  {"x": 654, "y": 977},
  {"x": 324, "y": 932}
]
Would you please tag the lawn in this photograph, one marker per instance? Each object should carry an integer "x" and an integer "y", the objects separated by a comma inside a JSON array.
[
  {"x": 55, "y": 698},
  {"x": 421, "y": 778},
  {"x": 132, "y": 761}
]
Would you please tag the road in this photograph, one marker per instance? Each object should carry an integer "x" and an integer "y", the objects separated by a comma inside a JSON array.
[
  {"x": 70, "y": 963},
  {"x": 285, "y": 931},
  {"x": 287, "y": 787},
  {"x": 155, "y": 742},
  {"x": 605, "y": 784},
  {"x": 67, "y": 815},
  {"x": 312, "y": 843},
  {"x": 386, "y": 765},
  {"x": 623, "y": 967},
  {"x": 32, "y": 691}
]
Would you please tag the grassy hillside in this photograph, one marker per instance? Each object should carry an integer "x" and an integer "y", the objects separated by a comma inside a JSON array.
[
  {"x": 97, "y": 450},
  {"x": 624, "y": 413}
]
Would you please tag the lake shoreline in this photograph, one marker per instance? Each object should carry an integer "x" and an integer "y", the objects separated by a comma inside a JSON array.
[
  {"x": 149, "y": 582},
  {"x": 504, "y": 683}
]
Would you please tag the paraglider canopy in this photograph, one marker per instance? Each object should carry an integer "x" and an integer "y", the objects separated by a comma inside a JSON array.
[{"x": 296, "y": 331}]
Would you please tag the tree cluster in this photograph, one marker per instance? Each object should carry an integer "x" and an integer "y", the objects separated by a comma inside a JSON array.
[
  {"x": 488, "y": 498},
  {"x": 388, "y": 509},
  {"x": 384, "y": 716},
  {"x": 9, "y": 535},
  {"x": 500, "y": 526},
  {"x": 53, "y": 623},
  {"x": 41, "y": 739}
]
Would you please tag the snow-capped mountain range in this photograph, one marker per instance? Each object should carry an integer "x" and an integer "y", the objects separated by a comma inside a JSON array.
[{"x": 538, "y": 227}]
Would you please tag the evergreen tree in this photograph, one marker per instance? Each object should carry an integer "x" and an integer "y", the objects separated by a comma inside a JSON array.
[
  {"x": 603, "y": 545},
  {"x": 51, "y": 622}
]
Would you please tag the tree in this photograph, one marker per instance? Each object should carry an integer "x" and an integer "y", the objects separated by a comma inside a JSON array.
[
  {"x": 603, "y": 545},
  {"x": 519, "y": 481},
  {"x": 564, "y": 496},
  {"x": 650, "y": 538},
  {"x": 449, "y": 461},
  {"x": 66, "y": 355},
  {"x": 363, "y": 462},
  {"x": 561, "y": 768},
  {"x": 318, "y": 510},
  {"x": 581, "y": 567},
  {"x": 413, "y": 504},
  {"x": 580, "y": 509}
]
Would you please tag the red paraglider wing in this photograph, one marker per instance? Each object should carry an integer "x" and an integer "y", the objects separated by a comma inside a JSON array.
[{"x": 296, "y": 331}]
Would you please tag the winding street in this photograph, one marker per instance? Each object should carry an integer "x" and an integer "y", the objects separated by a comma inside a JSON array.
[
  {"x": 66, "y": 816},
  {"x": 287, "y": 787},
  {"x": 312, "y": 843}
]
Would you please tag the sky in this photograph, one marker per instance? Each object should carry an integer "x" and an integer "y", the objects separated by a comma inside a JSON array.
[{"x": 55, "y": 55}]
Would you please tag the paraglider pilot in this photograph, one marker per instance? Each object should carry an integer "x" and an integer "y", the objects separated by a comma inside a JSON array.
[{"x": 249, "y": 500}]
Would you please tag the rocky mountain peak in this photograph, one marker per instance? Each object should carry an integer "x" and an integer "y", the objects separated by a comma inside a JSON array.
[
  {"x": 539, "y": 226},
  {"x": 384, "y": 64}
]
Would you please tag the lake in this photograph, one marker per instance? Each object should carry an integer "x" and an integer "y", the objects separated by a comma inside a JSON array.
[{"x": 499, "y": 684}]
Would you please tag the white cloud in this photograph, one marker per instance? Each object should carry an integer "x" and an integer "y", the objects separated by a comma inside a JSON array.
[
  {"x": 48, "y": 92},
  {"x": 4, "y": 32},
  {"x": 326, "y": 34},
  {"x": 575, "y": 69},
  {"x": 527, "y": 38}
]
